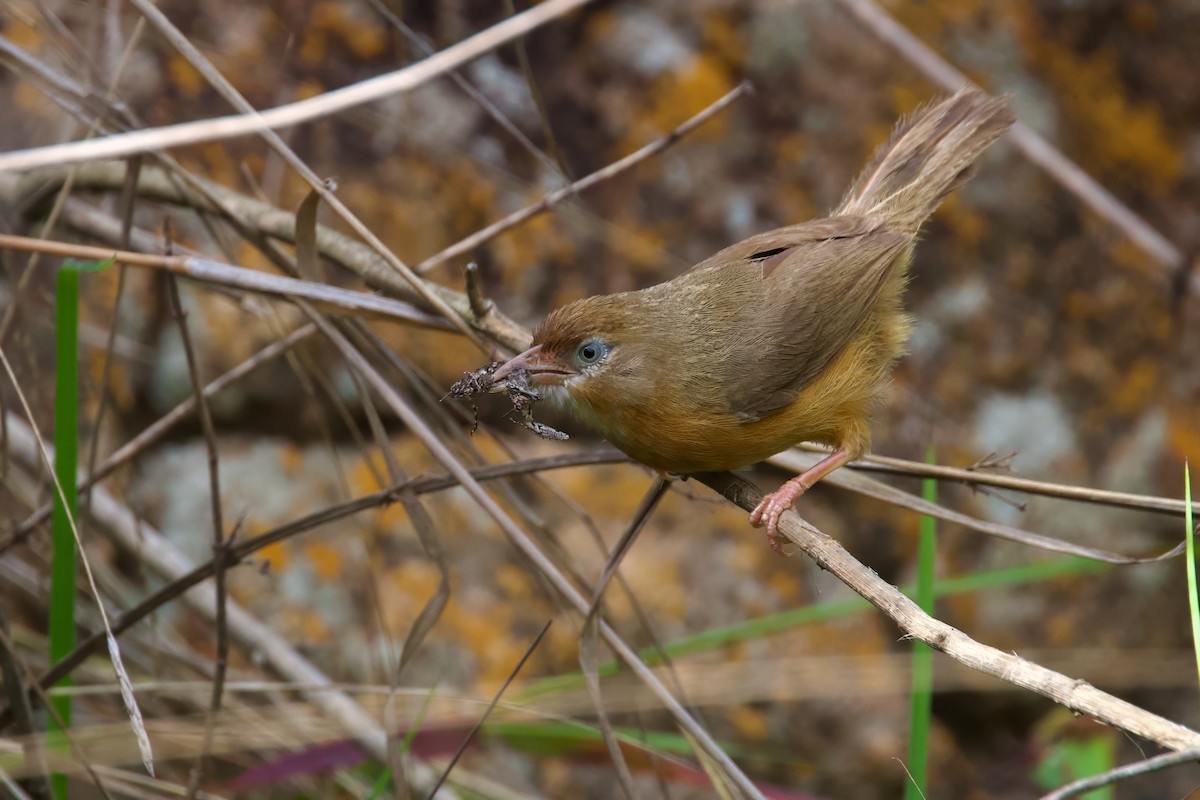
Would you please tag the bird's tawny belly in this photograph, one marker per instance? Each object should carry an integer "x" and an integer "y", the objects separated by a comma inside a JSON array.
[{"x": 710, "y": 444}]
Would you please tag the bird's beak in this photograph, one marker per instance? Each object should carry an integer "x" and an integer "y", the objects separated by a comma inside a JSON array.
[{"x": 543, "y": 369}]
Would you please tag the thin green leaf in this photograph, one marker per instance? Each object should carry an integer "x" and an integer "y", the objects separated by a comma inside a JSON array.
[
  {"x": 63, "y": 566},
  {"x": 922, "y": 656}
]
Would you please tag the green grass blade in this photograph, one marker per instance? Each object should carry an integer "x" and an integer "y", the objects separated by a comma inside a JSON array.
[
  {"x": 1190, "y": 533},
  {"x": 921, "y": 696},
  {"x": 63, "y": 567}
]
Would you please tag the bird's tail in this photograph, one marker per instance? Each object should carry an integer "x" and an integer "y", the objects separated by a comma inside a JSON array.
[{"x": 929, "y": 155}]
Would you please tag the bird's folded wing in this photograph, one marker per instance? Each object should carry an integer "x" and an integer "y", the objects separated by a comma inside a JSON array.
[{"x": 810, "y": 287}]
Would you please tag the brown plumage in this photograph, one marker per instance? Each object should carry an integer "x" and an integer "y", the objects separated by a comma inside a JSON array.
[{"x": 787, "y": 336}]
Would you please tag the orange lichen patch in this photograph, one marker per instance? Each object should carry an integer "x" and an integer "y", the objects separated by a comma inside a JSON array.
[
  {"x": 643, "y": 249},
  {"x": 962, "y": 608},
  {"x": 184, "y": 77},
  {"x": 723, "y": 38},
  {"x": 620, "y": 488},
  {"x": 362, "y": 38},
  {"x": 364, "y": 476},
  {"x": 539, "y": 240},
  {"x": 678, "y": 95},
  {"x": 304, "y": 624},
  {"x": 967, "y": 224},
  {"x": 658, "y": 585},
  {"x": 600, "y": 27},
  {"x": 1183, "y": 433},
  {"x": 1128, "y": 255},
  {"x": 685, "y": 93},
  {"x": 22, "y": 34},
  {"x": 220, "y": 165},
  {"x": 1060, "y": 628},
  {"x": 29, "y": 98},
  {"x": 314, "y": 47},
  {"x": 514, "y": 582},
  {"x": 751, "y": 723},
  {"x": 314, "y": 627},
  {"x": 1122, "y": 138},
  {"x": 747, "y": 555},
  {"x": 120, "y": 387},
  {"x": 277, "y": 554},
  {"x": 794, "y": 202},
  {"x": 251, "y": 257},
  {"x": 791, "y": 148},
  {"x": 403, "y": 591},
  {"x": 487, "y": 632},
  {"x": 1142, "y": 16},
  {"x": 327, "y": 560},
  {"x": 783, "y": 584},
  {"x": 291, "y": 460},
  {"x": 938, "y": 19},
  {"x": 1135, "y": 389},
  {"x": 391, "y": 519},
  {"x": 308, "y": 88},
  {"x": 902, "y": 99}
]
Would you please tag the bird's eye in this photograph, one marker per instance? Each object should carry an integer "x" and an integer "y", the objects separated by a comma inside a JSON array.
[{"x": 591, "y": 351}]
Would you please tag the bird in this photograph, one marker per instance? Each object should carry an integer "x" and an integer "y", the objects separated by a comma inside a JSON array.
[{"x": 787, "y": 336}]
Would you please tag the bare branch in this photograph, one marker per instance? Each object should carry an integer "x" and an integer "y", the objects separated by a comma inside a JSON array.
[
  {"x": 221, "y": 128},
  {"x": 344, "y": 301},
  {"x": 1078, "y": 696},
  {"x": 1121, "y": 773},
  {"x": 599, "y": 176}
]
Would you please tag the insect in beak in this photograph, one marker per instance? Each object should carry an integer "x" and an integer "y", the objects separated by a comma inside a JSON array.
[{"x": 542, "y": 368}]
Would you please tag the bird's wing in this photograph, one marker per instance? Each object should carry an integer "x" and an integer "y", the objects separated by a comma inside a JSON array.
[{"x": 807, "y": 289}]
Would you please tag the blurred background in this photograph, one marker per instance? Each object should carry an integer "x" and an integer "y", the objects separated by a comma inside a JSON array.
[{"x": 1041, "y": 331}]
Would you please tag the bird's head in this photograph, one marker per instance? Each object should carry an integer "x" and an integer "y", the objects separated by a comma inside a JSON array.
[{"x": 590, "y": 354}]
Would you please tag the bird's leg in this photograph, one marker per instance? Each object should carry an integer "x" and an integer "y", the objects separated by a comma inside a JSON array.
[{"x": 772, "y": 506}]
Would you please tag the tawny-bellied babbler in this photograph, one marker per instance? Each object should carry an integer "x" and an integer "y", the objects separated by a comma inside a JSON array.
[{"x": 785, "y": 337}]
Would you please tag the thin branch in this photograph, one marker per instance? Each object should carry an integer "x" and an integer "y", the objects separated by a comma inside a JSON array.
[
  {"x": 481, "y": 304},
  {"x": 214, "y": 489},
  {"x": 599, "y": 176},
  {"x": 208, "y": 197},
  {"x": 423, "y": 46},
  {"x": 331, "y": 298},
  {"x": 857, "y": 482},
  {"x": 323, "y": 105},
  {"x": 1121, "y": 773},
  {"x": 491, "y": 706},
  {"x": 589, "y": 645},
  {"x": 1078, "y": 696},
  {"x": 237, "y": 553},
  {"x": 127, "y": 203},
  {"x": 1083, "y": 494}
]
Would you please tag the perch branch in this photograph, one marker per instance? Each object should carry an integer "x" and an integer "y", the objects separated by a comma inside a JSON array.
[{"x": 1076, "y": 695}]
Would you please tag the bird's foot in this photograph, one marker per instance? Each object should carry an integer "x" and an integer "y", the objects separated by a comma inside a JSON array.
[{"x": 772, "y": 507}]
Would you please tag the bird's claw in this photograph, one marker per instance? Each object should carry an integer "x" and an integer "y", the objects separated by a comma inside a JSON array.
[{"x": 771, "y": 508}]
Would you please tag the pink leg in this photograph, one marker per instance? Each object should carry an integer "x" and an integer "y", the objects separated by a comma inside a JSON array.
[{"x": 773, "y": 505}]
